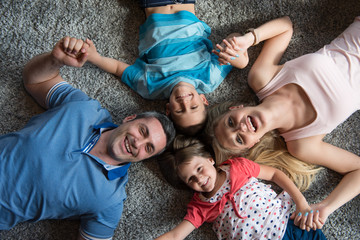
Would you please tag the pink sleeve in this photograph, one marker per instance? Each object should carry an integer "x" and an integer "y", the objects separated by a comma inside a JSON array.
[
  {"x": 245, "y": 166},
  {"x": 194, "y": 213},
  {"x": 199, "y": 212}
]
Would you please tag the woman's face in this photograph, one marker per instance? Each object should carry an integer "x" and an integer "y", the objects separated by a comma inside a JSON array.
[{"x": 240, "y": 128}]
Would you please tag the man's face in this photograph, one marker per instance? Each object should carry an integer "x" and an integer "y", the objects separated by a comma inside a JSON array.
[
  {"x": 136, "y": 140},
  {"x": 186, "y": 106}
]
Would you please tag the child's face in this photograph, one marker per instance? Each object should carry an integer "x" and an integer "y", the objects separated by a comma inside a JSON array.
[
  {"x": 199, "y": 174},
  {"x": 186, "y": 106}
]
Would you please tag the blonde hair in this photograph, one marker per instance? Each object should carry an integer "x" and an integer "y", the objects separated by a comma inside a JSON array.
[{"x": 271, "y": 150}]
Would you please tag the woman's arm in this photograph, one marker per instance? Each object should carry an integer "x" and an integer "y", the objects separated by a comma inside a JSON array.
[
  {"x": 314, "y": 150},
  {"x": 277, "y": 35},
  {"x": 181, "y": 231}
]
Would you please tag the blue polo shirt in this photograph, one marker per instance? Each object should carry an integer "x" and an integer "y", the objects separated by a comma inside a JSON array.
[{"x": 46, "y": 171}]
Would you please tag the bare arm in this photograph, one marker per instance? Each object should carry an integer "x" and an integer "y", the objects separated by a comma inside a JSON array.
[
  {"x": 181, "y": 231},
  {"x": 43, "y": 71},
  {"x": 109, "y": 65},
  {"x": 277, "y": 35},
  {"x": 314, "y": 150}
]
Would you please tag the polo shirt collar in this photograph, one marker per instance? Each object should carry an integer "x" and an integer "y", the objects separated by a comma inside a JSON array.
[{"x": 111, "y": 172}]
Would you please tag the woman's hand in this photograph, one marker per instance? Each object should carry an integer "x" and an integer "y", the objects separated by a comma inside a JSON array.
[
  {"x": 233, "y": 51},
  {"x": 306, "y": 220}
]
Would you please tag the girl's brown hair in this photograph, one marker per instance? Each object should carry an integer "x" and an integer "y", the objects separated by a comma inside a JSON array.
[{"x": 183, "y": 149}]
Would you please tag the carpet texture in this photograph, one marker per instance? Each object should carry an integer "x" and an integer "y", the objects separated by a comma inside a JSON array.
[{"x": 30, "y": 27}]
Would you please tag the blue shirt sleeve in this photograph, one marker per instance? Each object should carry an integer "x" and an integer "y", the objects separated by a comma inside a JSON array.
[
  {"x": 63, "y": 92},
  {"x": 102, "y": 225}
]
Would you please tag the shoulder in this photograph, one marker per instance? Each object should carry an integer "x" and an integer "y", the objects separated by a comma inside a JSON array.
[
  {"x": 63, "y": 92},
  {"x": 243, "y": 165},
  {"x": 259, "y": 77}
]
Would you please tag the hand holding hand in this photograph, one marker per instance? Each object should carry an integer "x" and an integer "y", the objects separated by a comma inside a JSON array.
[
  {"x": 308, "y": 220},
  {"x": 303, "y": 216},
  {"x": 323, "y": 214},
  {"x": 71, "y": 51},
  {"x": 233, "y": 51},
  {"x": 91, "y": 51}
]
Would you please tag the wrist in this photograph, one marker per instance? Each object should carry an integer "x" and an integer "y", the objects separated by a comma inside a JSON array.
[
  {"x": 54, "y": 59},
  {"x": 94, "y": 58},
  {"x": 55, "y": 62},
  {"x": 255, "y": 36}
]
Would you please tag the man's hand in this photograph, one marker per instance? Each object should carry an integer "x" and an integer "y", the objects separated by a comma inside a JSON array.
[{"x": 71, "y": 51}]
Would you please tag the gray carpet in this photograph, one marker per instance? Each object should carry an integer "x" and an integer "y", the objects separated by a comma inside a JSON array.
[{"x": 30, "y": 27}]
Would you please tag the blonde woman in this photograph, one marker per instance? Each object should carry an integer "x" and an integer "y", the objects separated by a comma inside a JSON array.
[{"x": 303, "y": 100}]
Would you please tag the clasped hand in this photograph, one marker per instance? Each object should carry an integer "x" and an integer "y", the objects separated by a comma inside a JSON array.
[
  {"x": 233, "y": 51},
  {"x": 307, "y": 220},
  {"x": 71, "y": 51}
]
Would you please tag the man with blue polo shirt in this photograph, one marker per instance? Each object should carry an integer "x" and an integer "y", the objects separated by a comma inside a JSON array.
[{"x": 71, "y": 160}]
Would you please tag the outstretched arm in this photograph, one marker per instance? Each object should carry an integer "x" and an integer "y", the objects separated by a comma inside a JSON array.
[
  {"x": 181, "y": 231},
  {"x": 43, "y": 71},
  {"x": 314, "y": 150},
  {"x": 109, "y": 65}
]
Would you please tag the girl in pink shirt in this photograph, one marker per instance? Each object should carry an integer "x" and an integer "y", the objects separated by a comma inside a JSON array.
[{"x": 231, "y": 197}]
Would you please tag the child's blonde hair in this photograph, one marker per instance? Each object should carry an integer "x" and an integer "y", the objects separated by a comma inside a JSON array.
[{"x": 271, "y": 150}]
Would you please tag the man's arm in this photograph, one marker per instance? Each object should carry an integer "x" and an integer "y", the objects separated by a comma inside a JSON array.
[{"x": 43, "y": 71}]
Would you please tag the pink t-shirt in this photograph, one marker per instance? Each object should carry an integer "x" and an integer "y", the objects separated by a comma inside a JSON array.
[
  {"x": 330, "y": 78},
  {"x": 200, "y": 211}
]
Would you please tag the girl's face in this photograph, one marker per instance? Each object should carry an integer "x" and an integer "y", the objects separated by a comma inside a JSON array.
[
  {"x": 199, "y": 174},
  {"x": 239, "y": 129}
]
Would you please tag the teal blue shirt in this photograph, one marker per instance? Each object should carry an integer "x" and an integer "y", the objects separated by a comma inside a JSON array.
[
  {"x": 174, "y": 48},
  {"x": 46, "y": 171}
]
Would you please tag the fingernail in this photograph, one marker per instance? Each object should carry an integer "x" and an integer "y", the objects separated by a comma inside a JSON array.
[
  {"x": 217, "y": 50},
  {"x": 311, "y": 211},
  {"x": 237, "y": 55},
  {"x": 299, "y": 214},
  {"x": 306, "y": 214},
  {"x": 232, "y": 58},
  {"x": 317, "y": 211},
  {"x": 228, "y": 63}
]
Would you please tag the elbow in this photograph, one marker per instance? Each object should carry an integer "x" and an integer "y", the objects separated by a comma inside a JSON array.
[
  {"x": 289, "y": 24},
  {"x": 26, "y": 76},
  {"x": 287, "y": 19}
]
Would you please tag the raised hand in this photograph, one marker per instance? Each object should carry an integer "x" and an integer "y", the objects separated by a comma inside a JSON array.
[
  {"x": 71, "y": 51},
  {"x": 233, "y": 51}
]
